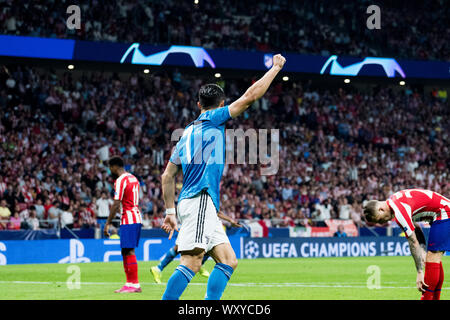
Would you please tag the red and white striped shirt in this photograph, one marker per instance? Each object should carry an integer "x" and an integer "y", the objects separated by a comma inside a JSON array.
[
  {"x": 414, "y": 204},
  {"x": 127, "y": 191}
]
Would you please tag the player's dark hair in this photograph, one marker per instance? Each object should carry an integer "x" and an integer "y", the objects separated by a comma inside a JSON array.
[
  {"x": 370, "y": 210},
  {"x": 210, "y": 96},
  {"x": 116, "y": 161}
]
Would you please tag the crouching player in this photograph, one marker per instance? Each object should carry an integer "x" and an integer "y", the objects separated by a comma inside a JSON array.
[
  {"x": 407, "y": 206},
  {"x": 126, "y": 194}
]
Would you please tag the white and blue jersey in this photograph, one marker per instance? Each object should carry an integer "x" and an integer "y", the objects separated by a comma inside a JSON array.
[{"x": 201, "y": 153}]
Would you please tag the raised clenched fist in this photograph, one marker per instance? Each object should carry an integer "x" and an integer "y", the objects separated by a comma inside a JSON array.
[{"x": 278, "y": 61}]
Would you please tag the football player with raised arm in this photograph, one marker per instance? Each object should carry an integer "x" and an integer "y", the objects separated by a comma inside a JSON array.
[{"x": 200, "y": 155}]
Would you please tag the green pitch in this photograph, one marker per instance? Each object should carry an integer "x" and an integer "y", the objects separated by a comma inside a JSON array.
[{"x": 265, "y": 279}]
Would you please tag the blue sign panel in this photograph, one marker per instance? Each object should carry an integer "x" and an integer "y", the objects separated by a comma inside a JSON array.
[
  {"x": 198, "y": 57},
  {"x": 323, "y": 247},
  {"x": 31, "y": 47},
  {"x": 77, "y": 250},
  {"x": 97, "y": 250},
  {"x": 83, "y": 250}
]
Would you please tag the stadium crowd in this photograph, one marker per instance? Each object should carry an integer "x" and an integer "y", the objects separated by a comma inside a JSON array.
[
  {"x": 421, "y": 31},
  {"x": 338, "y": 147}
]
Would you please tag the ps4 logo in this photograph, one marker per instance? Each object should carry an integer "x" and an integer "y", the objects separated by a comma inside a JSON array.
[
  {"x": 389, "y": 65},
  {"x": 197, "y": 54},
  {"x": 76, "y": 253}
]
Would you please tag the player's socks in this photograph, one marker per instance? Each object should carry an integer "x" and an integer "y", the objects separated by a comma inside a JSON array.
[
  {"x": 218, "y": 281},
  {"x": 168, "y": 257},
  {"x": 131, "y": 269},
  {"x": 125, "y": 268},
  {"x": 437, "y": 291},
  {"x": 178, "y": 283},
  {"x": 432, "y": 274}
]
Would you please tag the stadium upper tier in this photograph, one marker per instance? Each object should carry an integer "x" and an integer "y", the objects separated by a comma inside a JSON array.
[{"x": 315, "y": 27}]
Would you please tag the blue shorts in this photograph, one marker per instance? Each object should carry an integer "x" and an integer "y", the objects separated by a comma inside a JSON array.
[
  {"x": 439, "y": 238},
  {"x": 129, "y": 235}
]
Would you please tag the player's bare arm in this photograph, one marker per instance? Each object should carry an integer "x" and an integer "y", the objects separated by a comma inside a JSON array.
[
  {"x": 418, "y": 256},
  {"x": 258, "y": 89},
  {"x": 168, "y": 189},
  {"x": 227, "y": 218},
  {"x": 112, "y": 213}
]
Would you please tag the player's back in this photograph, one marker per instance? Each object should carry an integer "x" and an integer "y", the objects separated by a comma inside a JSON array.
[
  {"x": 127, "y": 191},
  {"x": 421, "y": 203},
  {"x": 201, "y": 154}
]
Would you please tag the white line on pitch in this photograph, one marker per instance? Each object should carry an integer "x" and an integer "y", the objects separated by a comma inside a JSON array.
[{"x": 248, "y": 284}]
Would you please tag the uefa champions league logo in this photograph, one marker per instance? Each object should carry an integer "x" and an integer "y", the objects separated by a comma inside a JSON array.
[
  {"x": 389, "y": 65},
  {"x": 197, "y": 54},
  {"x": 251, "y": 250}
]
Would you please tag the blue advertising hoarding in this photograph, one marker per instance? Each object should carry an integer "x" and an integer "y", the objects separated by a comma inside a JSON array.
[
  {"x": 252, "y": 248},
  {"x": 77, "y": 250},
  {"x": 231, "y": 59},
  {"x": 32, "y": 47},
  {"x": 188, "y": 56},
  {"x": 83, "y": 250},
  {"x": 98, "y": 250}
]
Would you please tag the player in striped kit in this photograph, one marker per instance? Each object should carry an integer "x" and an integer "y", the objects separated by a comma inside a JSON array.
[
  {"x": 411, "y": 205},
  {"x": 126, "y": 193}
]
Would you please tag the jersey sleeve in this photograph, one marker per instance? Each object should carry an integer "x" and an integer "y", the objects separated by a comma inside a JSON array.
[
  {"x": 220, "y": 115},
  {"x": 403, "y": 216},
  {"x": 175, "y": 157},
  {"x": 119, "y": 187}
]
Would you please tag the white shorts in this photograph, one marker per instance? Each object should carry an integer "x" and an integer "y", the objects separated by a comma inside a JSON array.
[{"x": 200, "y": 225}]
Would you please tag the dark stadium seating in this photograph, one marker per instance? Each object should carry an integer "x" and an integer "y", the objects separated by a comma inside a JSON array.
[{"x": 420, "y": 31}]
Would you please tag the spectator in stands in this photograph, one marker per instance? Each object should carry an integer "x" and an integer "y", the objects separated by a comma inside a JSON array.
[
  {"x": 40, "y": 210},
  {"x": 66, "y": 219},
  {"x": 113, "y": 234},
  {"x": 344, "y": 208},
  {"x": 58, "y": 159},
  {"x": 323, "y": 211},
  {"x": 146, "y": 222},
  {"x": 340, "y": 232},
  {"x": 32, "y": 220},
  {"x": 15, "y": 222},
  {"x": 157, "y": 220},
  {"x": 103, "y": 205},
  {"x": 308, "y": 27},
  {"x": 24, "y": 214},
  {"x": 5, "y": 213},
  {"x": 86, "y": 217},
  {"x": 355, "y": 214},
  {"x": 53, "y": 215}
]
